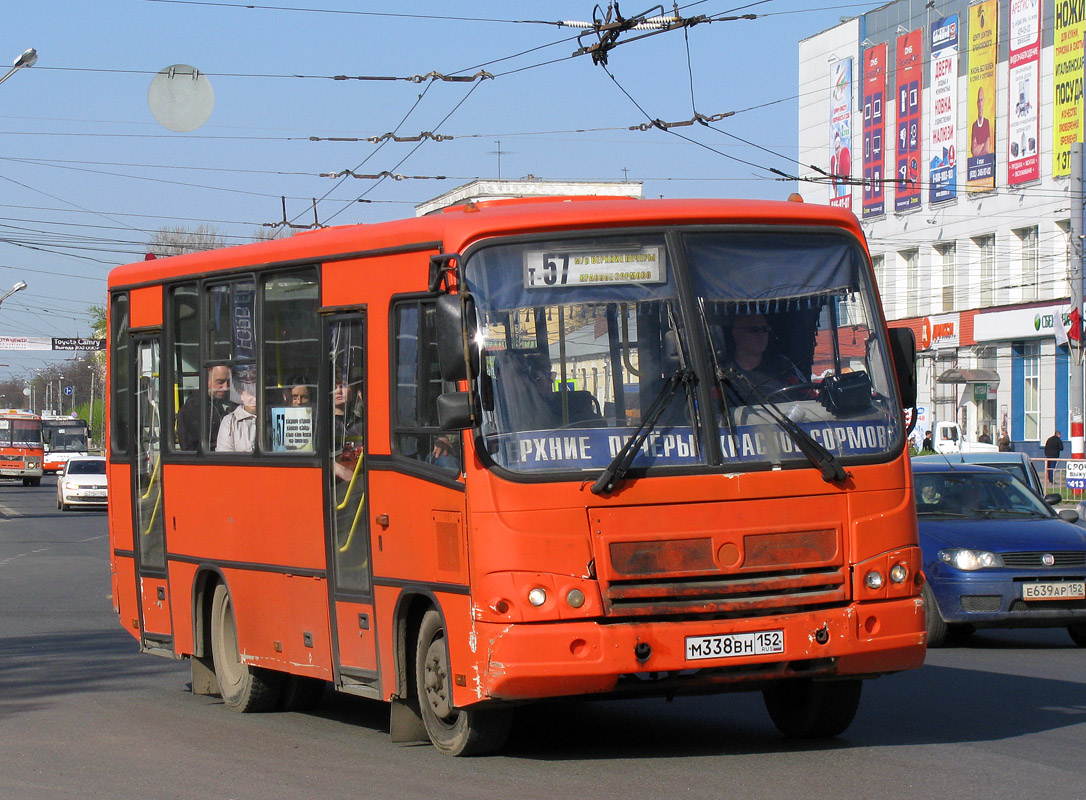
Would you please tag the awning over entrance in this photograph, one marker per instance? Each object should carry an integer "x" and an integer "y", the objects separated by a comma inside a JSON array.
[{"x": 955, "y": 375}]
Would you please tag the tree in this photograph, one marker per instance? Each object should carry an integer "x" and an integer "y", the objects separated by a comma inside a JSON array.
[{"x": 176, "y": 240}]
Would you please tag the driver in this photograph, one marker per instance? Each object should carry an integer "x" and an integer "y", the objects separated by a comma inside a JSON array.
[{"x": 767, "y": 372}]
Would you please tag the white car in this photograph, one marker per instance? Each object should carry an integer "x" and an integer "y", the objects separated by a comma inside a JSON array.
[{"x": 82, "y": 482}]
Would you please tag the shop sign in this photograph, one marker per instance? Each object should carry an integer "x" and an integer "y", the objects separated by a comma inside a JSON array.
[
  {"x": 1020, "y": 323},
  {"x": 940, "y": 331}
]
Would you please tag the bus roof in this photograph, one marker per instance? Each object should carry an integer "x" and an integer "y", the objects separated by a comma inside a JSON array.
[{"x": 457, "y": 227}]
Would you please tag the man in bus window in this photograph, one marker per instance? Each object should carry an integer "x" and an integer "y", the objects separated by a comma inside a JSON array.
[
  {"x": 442, "y": 455},
  {"x": 752, "y": 358},
  {"x": 188, "y": 420}
]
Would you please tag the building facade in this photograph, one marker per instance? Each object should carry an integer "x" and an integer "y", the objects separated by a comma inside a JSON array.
[{"x": 946, "y": 127}]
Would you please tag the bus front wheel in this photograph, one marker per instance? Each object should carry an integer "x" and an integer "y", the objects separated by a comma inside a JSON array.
[
  {"x": 243, "y": 687},
  {"x": 453, "y": 731},
  {"x": 808, "y": 709}
]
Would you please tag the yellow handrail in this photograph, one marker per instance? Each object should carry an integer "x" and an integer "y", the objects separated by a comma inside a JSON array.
[{"x": 350, "y": 486}]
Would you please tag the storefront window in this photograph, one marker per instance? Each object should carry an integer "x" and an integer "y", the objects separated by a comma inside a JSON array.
[{"x": 1031, "y": 391}]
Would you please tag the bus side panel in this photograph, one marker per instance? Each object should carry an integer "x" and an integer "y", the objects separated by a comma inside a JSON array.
[
  {"x": 119, "y": 489},
  {"x": 356, "y": 633},
  {"x": 424, "y": 540},
  {"x": 282, "y": 621},
  {"x": 264, "y": 516},
  {"x": 125, "y": 599},
  {"x": 182, "y": 607},
  {"x": 146, "y": 307},
  {"x": 156, "y": 606}
]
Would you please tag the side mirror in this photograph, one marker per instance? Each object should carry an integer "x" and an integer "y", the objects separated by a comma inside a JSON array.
[
  {"x": 1053, "y": 498},
  {"x": 456, "y": 330},
  {"x": 455, "y": 411},
  {"x": 903, "y": 352},
  {"x": 1068, "y": 515}
]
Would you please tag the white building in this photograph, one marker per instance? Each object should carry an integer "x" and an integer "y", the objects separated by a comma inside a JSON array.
[{"x": 979, "y": 272}]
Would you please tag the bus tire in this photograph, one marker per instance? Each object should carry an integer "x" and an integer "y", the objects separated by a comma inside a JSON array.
[
  {"x": 300, "y": 693},
  {"x": 933, "y": 620},
  {"x": 809, "y": 709},
  {"x": 243, "y": 687},
  {"x": 453, "y": 731}
]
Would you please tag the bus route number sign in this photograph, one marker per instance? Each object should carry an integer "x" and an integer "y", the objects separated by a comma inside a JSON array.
[{"x": 548, "y": 269}]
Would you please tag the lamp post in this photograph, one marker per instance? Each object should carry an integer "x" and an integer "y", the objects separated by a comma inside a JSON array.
[
  {"x": 27, "y": 58},
  {"x": 18, "y": 287}
]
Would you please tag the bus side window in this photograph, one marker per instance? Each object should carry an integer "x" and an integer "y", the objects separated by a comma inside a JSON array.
[
  {"x": 184, "y": 320},
  {"x": 291, "y": 353},
  {"x": 417, "y": 380},
  {"x": 121, "y": 421}
]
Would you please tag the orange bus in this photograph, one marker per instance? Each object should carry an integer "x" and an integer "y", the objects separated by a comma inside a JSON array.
[
  {"x": 519, "y": 450},
  {"x": 21, "y": 449}
]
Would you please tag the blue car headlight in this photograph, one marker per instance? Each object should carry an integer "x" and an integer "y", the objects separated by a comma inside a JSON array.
[{"x": 969, "y": 560}]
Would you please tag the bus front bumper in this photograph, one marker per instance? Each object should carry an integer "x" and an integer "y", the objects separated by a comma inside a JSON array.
[{"x": 570, "y": 658}]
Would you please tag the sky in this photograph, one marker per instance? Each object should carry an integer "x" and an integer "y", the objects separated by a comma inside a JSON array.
[{"x": 87, "y": 174}]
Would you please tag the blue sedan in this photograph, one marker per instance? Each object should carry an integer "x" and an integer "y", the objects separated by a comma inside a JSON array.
[{"x": 996, "y": 555}]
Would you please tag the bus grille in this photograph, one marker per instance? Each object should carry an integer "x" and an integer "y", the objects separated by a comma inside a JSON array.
[{"x": 742, "y": 595}]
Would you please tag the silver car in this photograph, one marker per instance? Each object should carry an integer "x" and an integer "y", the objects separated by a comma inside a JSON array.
[{"x": 82, "y": 482}]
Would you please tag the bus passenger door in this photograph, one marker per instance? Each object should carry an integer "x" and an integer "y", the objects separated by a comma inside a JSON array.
[
  {"x": 155, "y": 627},
  {"x": 347, "y": 525}
]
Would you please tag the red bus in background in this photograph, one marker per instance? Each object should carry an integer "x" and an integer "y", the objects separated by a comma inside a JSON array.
[
  {"x": 516, "y": 451},
  {"x": 21, "y": 450},
  {"x": 64, "y": 437}
]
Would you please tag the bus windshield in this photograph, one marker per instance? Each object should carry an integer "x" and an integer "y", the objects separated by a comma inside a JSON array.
[
  {"x": 719, "y": 348},
  {"x": 69, "y": 436},
  {"x": 20, "y": 433}
]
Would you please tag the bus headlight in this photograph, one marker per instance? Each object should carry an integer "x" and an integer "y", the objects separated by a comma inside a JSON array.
[
  {"x": 873, "y": 579},
  {"x": 537, "y": 597},
  {"x": 898, "y": 573}
]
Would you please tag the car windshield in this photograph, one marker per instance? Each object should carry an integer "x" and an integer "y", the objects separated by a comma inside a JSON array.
[
  {"x": 974, "y": 494},
  {"x": 95, "y": 467},
  {"x": 582, "y": 338}
]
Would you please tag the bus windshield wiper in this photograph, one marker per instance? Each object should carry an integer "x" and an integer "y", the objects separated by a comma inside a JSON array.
[
  {"x": 620, "y": 464},
  {"x": 821, "y": 458}
]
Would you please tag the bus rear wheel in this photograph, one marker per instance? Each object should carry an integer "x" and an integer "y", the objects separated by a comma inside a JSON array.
[
  {"x": 243, "y": 687},
  {"x": 453, "y": 731},
  {"x": 808, "y": 709}
]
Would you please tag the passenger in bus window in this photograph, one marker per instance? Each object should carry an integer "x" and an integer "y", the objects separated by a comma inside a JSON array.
[
  {"x": 299, "y": 395},
  {"x": 237, "y": 434},
  {"x": 346, "y": 430},
  {"x": 753, "y": 358},
  {"x": 220, "y": 405},
  {"x": 443, "y": 456}
]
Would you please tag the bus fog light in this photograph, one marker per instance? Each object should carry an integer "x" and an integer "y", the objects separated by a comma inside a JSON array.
[
  {"x": 898, "y": 573},
  {"x": 575, "y": 598},
  {"x": 537, "y": 597},
  {"x": 873, "y": 579}
]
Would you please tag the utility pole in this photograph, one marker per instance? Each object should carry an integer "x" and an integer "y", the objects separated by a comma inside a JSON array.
[{"x": 1075, "y": 343}]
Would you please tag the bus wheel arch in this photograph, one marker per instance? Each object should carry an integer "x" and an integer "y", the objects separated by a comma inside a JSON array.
[
  {"x": 243, "y": 687},
  {"x": 453, "y": 731}
]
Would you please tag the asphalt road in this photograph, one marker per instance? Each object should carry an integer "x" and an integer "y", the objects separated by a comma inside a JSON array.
[{"x": 83, "y": 714}]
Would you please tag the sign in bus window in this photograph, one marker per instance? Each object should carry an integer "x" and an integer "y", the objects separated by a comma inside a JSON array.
[{"x": 550, "y": 268}]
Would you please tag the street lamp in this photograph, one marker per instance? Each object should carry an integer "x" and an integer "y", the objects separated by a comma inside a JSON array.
[
  {"x": 28, "y": 58},
  {"x": 18, "y": 287}
]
